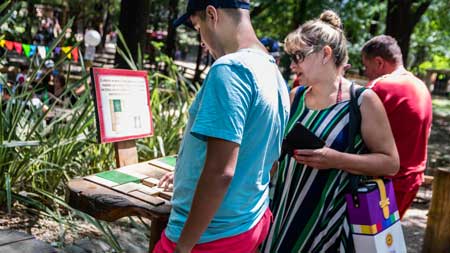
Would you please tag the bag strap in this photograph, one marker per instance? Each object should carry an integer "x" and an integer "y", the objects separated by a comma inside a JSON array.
[
  {"x": 384, "y": 200},
  {"x": 354, "y": 117},
  {"x": 353, "y": 128}
]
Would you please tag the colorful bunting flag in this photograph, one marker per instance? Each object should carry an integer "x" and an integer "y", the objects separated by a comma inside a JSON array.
[
  {"x": 32, "y": 50},
  {"x": 42, "y": 51},
  {"x": 75, "y": 54},
  {"x": 66, "y": 50},
  {"x": 9, "y": 45},
  {"x": 26, "y": 49},
  {"x": 18, "y": 47}
]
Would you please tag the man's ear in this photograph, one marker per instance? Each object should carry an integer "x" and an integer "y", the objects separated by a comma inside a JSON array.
[
  {"x": 327, "y": 54},
  {"x": 379, "y": 62},
  {"x": 211, "y": 13}
]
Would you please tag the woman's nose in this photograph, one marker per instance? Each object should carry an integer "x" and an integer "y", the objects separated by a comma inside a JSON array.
[{"x": 293, "y": 66}]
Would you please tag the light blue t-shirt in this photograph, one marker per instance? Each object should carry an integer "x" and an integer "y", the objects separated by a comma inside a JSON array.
[{"x": 244, "y": 99}]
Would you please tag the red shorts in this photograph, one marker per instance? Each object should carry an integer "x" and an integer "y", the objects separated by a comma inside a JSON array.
[
  {"x": 246, "y": 242},
  {"x": 404, "y": 200},
  {"x": 405, "y": 189}
]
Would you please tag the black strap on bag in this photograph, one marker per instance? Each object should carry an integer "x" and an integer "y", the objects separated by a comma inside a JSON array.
[{"x": 354, "y": 128}]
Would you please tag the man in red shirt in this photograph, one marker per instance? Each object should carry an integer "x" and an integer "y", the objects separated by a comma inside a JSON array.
[{"x": 408, "y": 105}]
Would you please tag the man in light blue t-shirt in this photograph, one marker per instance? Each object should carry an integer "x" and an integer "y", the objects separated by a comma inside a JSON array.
[{"x": 232, "y": 139}]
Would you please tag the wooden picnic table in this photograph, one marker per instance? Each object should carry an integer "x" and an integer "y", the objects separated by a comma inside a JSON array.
[{"x": 107, "y": 204}]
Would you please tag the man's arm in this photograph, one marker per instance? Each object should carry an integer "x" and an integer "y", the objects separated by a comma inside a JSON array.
[{"x": 218, "y": 171}]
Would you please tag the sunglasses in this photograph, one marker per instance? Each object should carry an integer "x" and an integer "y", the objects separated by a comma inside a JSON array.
[{"x": 299, "y": 56}]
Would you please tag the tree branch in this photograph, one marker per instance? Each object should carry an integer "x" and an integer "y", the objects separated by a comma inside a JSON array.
[{"x": 419, "y": 12}]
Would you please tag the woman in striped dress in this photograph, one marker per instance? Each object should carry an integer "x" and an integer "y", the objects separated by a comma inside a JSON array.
[{"x": 308, "y": 199}]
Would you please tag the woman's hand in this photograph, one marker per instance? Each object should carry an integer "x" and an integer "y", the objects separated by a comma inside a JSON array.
[
  {"x": 166, "y": 181},
  {"x": 323, "y": 158}
]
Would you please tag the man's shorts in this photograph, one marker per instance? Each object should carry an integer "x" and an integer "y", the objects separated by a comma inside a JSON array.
[{"x": 246, "y": 242}]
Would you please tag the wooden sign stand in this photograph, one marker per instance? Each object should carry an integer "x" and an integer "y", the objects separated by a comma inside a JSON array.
[
  {"x": 123, "y": 114},
  {"x": 126, "y": 153}
]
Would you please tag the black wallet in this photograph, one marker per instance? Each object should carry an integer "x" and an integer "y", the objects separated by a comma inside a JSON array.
[{"x": 301, "y": 138}]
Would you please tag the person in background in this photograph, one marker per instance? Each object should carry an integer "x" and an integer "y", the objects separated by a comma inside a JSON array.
[
  {"x": 22, "y": 75},
  {"x": 26, "y": 95},
  {"x": 43, "y": 79},
  {"x": 308, "y": 202},
  {"x": 232, "y": 139},
  {"x": 273, "y": 47},
  {"x": 408, "y": 105}
]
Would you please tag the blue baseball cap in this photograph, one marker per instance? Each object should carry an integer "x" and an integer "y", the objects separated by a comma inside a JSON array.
[
  {"x": 271, "y": 45},
  {"x": 199, "y": 5}
]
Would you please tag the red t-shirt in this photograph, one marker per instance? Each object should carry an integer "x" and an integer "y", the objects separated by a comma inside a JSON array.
[{"x": 408, "y": 106}]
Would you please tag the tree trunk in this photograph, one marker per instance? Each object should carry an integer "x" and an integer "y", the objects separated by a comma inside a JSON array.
[
  {"x": 106, "y": 20},
  {"x": 262, "y": 7},
  {"x": 171, "y": 31},
  {"x": 437, "y": 235},
  {"x": 299, "y": 16},
  {"x": 373, "y": 30},
  {"x": 132, "y": 24},
  {"x": 198, "y": 61},
  {"x": 401, "y": 19}
]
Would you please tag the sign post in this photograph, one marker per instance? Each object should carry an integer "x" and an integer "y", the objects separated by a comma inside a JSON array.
[{"x": 123, "y": 113}]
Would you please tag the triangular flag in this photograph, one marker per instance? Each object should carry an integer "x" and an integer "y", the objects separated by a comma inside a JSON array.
[
  {"x": 18, "y": 47},
  {"x": 32, "y": 50},
  {"x": 57, "y": 50},
  {"x": 26, "y": 49},
  {"x": 9, "y": 45},
  {"x": 66, "y": 50},
  {"x": 2, "y": 43},
  {"x": 75, "y": 54},
  {"x": 42, "y": 52}
]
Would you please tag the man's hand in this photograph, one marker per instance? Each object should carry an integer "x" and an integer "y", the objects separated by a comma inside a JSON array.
[
  {"x": 179, "y": 249},
  {"x": 166, "y": 181}
]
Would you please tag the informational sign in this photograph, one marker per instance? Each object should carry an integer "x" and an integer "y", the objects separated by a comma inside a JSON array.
[{"x": 122, "y": 102}]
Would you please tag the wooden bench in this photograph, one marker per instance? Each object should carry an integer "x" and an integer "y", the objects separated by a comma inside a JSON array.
[
  {"x": 107, "y": 204},
  {"x": 188, "y": 69}
]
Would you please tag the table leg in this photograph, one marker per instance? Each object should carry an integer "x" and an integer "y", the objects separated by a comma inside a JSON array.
[{"x": 156, "y": 228}]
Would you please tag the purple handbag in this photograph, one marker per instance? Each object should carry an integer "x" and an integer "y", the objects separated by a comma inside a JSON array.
[{"x": 374, "y": 218}]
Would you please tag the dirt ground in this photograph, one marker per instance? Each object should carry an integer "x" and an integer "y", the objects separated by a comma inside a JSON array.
[
  {"x": 415, "y": 221},
  {"x": 439, "y": 143},
  {"x": 134, "y": 240}
]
